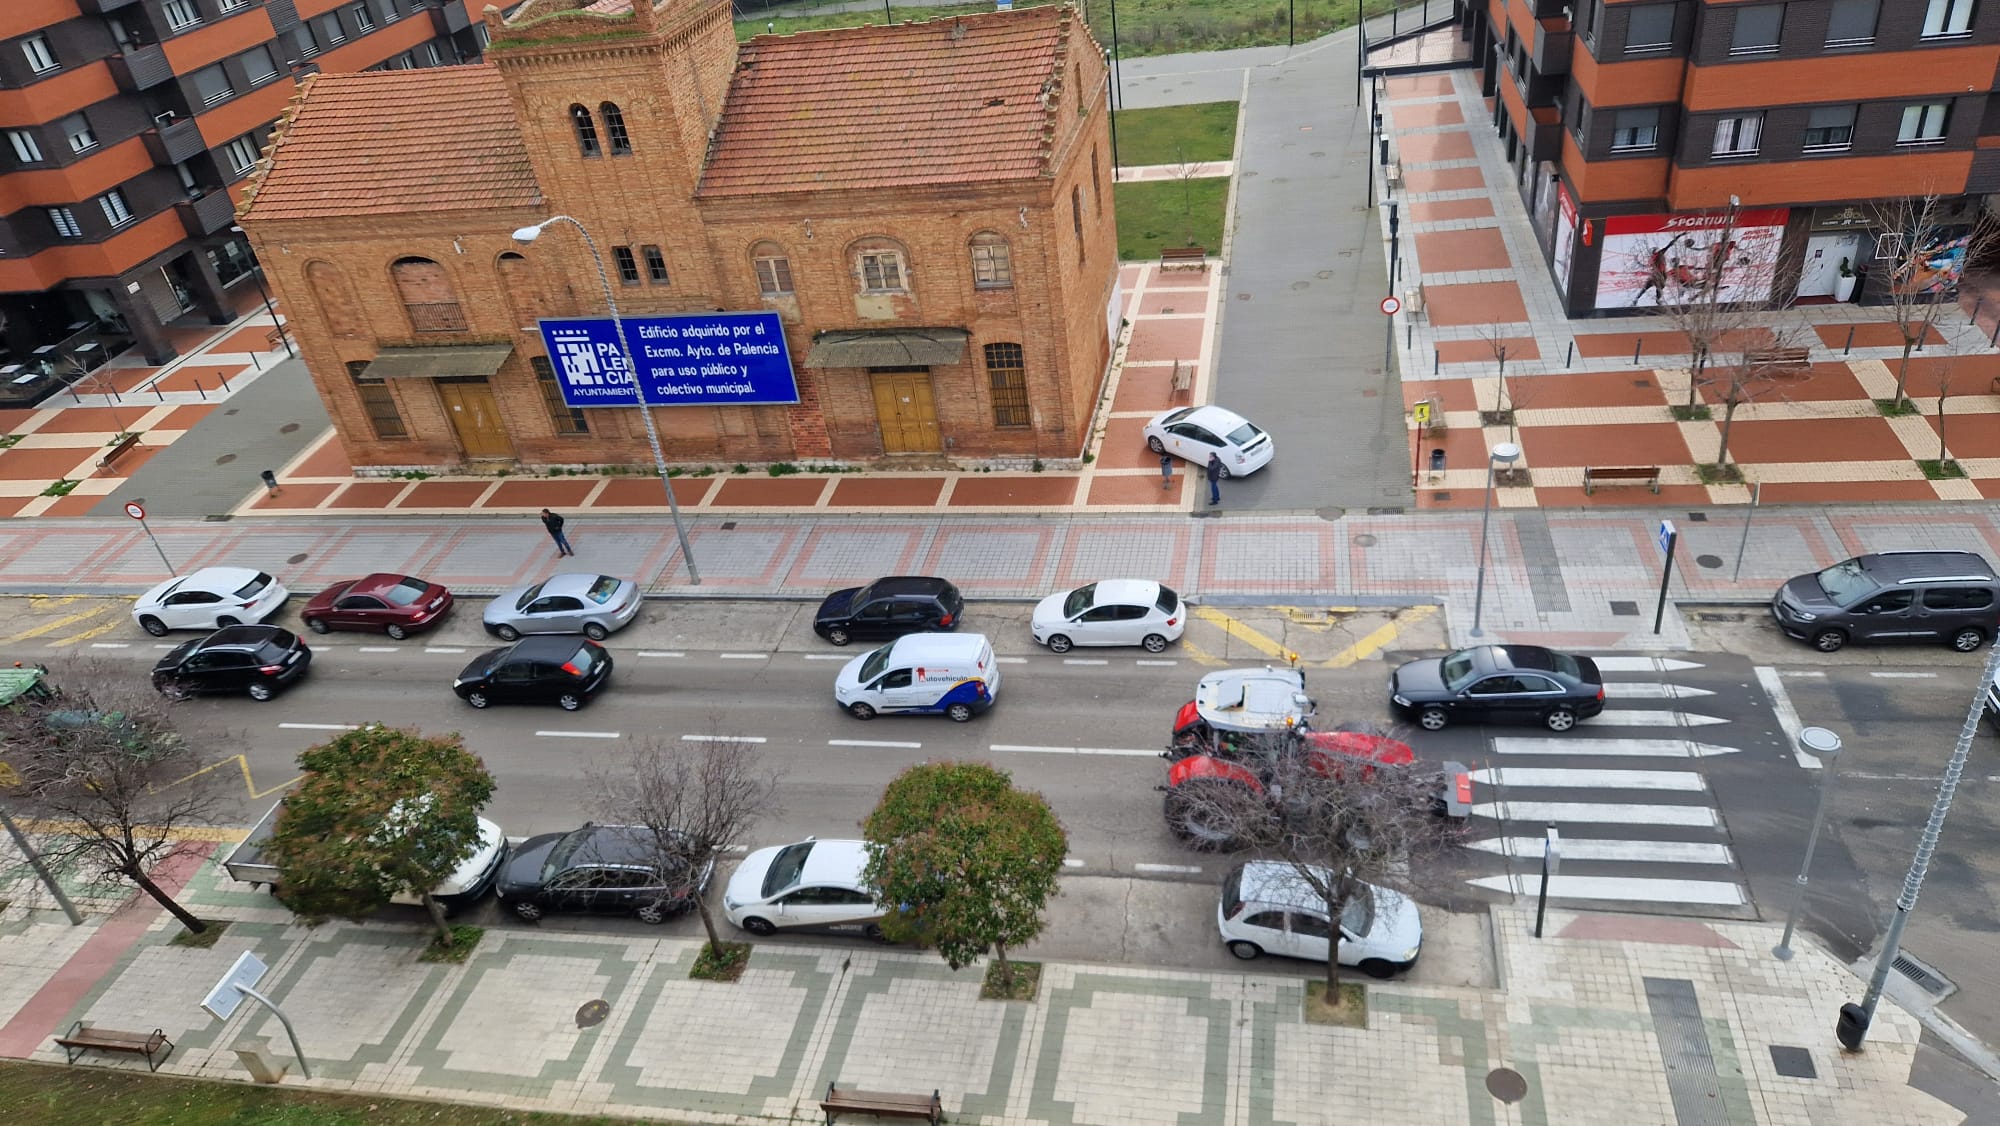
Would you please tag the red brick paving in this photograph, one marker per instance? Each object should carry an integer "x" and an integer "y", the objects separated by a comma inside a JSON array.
[
  {"x": 1124, "y": 446},
  {"x": 567, "y": 493},
  {"x": 184, "y": 418},
  {"x": 1622, "y": 496},
  {"x": 1152, "y": 389},
  {"x": 196, "y": 378},
  {"x": 297, "y": 496},
  {"x": 12, "y": 420},
  {"x": 1587, "y": 389},
  {"x": 1481, "y": 248},
  {"x": 1165, "y": 340},
  {"x": 444, "y": 494},
  {"x": 1479, "y": 351},
  {"x": 887, "y": 492},
  {"x": 1136, "y": 490},
  {"x": 1180, "y": 279},
  {"x": 1970, "y": 435},
  {"x": 1819, "y": 383},
  {"x": 75, "y": 504},
  {"x": 186, "y": 340},
  {"x": 1037, "y": 491},
  {"x": 1814, "y": 440},
  {"x": 1452, "y": 394},
  {"x": 1597, "y": 345},
  {"x": 1969, "y": 375},
  {"x": 1644, "y": 443},
  {"x": 1427, "y": 114},
  {"x": 1464, "y": 448},
  {"x": 771, "y": 492},
  {"x": 1429, "y": 148},
  {"x": 329, "y": 460},
  {"x": 1478, "y": 303},
  {"x": 1444, "y": 210},
  {"x": 1410, "y": 86},
  {"x": 645, "y": 492},
  {"x": 9, "y": 506},
  {"x": 368, "y": 494},
  {"x": 20, "y": 464},
  {"x": 1421, "y": 180},
  {"x": 1429, "y": 497},
  {"x": 91, "y": 420},
  {"x": 248, "y": 340},
  {"x": 1871, "y": 334},
  {"x": 1839, "y": 492},
  {"x": 1181, "y": 301}
]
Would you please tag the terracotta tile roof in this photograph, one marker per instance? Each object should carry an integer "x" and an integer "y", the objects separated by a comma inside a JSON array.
[
  {"x": 396, "y": 141},
  {"x": 945, "y": 101}
]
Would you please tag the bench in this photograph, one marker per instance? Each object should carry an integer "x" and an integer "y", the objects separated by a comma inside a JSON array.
[
  {"x": 882, "y": 1104},
  {"x": 1413, "y": 302},
  {"x": 1392, "y": 173},
  {"x": 1620, "y": 475},
  {"x": 118, "y": 450},
  {"x": 1792, "y": 358},
  {"x": 83, "y": 1037},
  {"x": 1184, "y": 258}
]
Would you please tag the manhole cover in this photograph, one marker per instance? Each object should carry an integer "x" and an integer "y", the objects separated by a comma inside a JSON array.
[
  {"x": 1165, "y": 309},
  {"x": 729, "y": 525},
  {"x": 230, "y": 411},
  {"x": 592, "y": 1013},
  {"x": 1370, "y": 393},
  {"x": 288, "y": 428},
  {"x": 297, "y": 559},
  {"x": 1622, "y": 609},
  {"x": 1506, "y": 1084},
  {"x": 1709, "y": 561},
  {"x": 225, "y": 459},
  {"x": 1441, "y": 498},
  {"x": 1793, "y": 1063},
  {"x": 1698, "y": 517},
  {"x": 1365, "y": 540}
]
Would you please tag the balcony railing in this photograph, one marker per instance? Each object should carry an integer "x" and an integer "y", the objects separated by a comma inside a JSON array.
[
  {"x": 207, "y": 213},
  {"x": 1553, "y": 47},
  {"x": 436, "y": 316},
  {"x": 173, "y": 140},
  {"x": 141, "y": 68},
  {"x": 103, "y": 7}
]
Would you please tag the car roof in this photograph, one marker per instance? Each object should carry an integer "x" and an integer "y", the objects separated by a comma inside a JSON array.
[
  {"x": 1215, "y": 418},
  {"x": 573, "y": 582},
  {"x": 967, "y": 647},
  {"x": 908, "y": 584},
  {"x": 547, "y": 646},
  {"x": 835, "y": 862},
  {"x": 1520, "y": 657},
  {"x": 222, "y": 578},
  {"x": 1275, "y": 881},
  {"x": 1130, "y": 592},
  {"x": 1904, "y": 566},
  {"x": 1263, "y": 699},
  {"x": 615, "y": 844},
  {"x": 380, "y": 581},
  {"x": 241, "y": 637}
]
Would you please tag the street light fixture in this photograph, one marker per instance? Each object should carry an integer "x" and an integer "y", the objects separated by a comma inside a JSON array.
[
  {"x": 257, "y": 275},
  {"x": 1506, "y": 453},
  {"x": 526, "y": 236},
  {"x": 1823, "y": 745}
]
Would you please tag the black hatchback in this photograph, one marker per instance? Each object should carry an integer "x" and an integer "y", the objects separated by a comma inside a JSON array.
[
  {"x": 617, "y": 869},
  {"x": 259, "y": 660},
  {"x": 1499, "y": 682},
  {"x": 888, "y": 608},
  {"x": 549, "y": 669}
]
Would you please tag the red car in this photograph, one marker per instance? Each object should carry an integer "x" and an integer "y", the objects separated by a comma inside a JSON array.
[{"x": 398, "y": 605}]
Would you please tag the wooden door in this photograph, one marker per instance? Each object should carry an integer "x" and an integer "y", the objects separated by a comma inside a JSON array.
[
  {"x": 906, "y": 412},
  {"x": 475, "y": 421}
]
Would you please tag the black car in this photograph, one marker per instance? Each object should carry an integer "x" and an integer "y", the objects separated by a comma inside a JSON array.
[
  {"x": 259, "y": 660},
  {"x": 889, "y": 607},
  {"x": 550, "y": 669},
  {"x": 615, "y": 869},
  {"x": 1498, "y": 682}
]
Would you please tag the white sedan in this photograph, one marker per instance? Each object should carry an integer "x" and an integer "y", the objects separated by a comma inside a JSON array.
[
  {"x": 813, "y": 884},
  {"x": 209, "y": 599},
  {"x": 1194, "y": 433},
  {"x": 1110, "y": 612}
]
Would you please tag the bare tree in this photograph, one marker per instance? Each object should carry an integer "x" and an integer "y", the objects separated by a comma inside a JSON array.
[
  {"x": 695, "y": 799},
  {"x": 1503, "y": 401},
  {"x": 1926, "y": 242},
  {"x": 1186, "y": 171},
  {"x": 1753, "y": 370},
  {"x": 114, "y": 785}
]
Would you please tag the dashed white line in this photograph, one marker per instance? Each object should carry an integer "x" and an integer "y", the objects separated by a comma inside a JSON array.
[
  {"x": 110, "y": 645},
  {"x": 321, "y": 726},
  {"x": 444, "y": 649},
  {"x": 724, "y": 739},
  {"x": 829, "y": 656},
  {"x": 378, "y": 649},
  {"x": 1012, "y": 660},
  {"x": 1904, "y": 675},
  {"x": 578, "y": 734},
  {"x": 1085, "y": 661},
  {"x": 744, "y": 656},
  {"x": 166, "y": 645},
  {"x": 1018, "y": 749},
  {"x": 873, "y": 743},
  {"x": 1802, "y": 674},
  {"x": 1787, "y": 716},
  {"x": 1175, "y": 869},
  {"x": 1157, "y": 664},
  {"x": 660, "y": 653}
]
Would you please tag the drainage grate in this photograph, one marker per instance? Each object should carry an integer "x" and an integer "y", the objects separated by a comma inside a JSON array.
[
  {"x": 1441, "y": 497},
  {"x": 1623, "y": 609},
  {"x": 729, "y": 525},
  {"x": 1697, "y": 517},
  {"x": 1793, "y": 1063},
  {"x": 1926, "y": 977}
]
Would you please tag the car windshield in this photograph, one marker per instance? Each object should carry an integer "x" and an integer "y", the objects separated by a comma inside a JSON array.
[
  {"x": 1845, "y": 583},
  {"x": 406, "y": 591},
  {"x": 564, "y": 851},
  {"x": 786, "y": 868},
  {"x": 1232, "y": 893},
  {"x": 1079, "y": 600},
  {"x": 873, "y": 664},
  {"x": 1358, "y": 917},
  {"x": 1244, "y": 435},
  {"x": 250, "y": 589},
  {"x": 1176, "y": 416},
  {"x": 1168, "y": 601},
  {"x": 601, "y": 591},
  {"x": 861, "y": 596},
  {"x": 527, "y": 596},
  {"x": 1457, "y": 669}
]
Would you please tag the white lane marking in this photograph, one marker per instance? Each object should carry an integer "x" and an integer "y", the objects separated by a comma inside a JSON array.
[
  {"x": 110, "y": 645},
  {"x": 1156, "y": 664},
  {"x": 744, "y": 656},
  {"x": 1802, "y": 674},
  {"x": 1788, "y": 716},
  {"x": 1904, "y": 675},
  {"x": 1084, "y": 661},
  {"x": 444, "y": 649},
  {"x": 1010, "y": 747},
  {"x": 873, "y": 743},
  {"x": 1627, "y": 889},
  {"x": 1653, "y": 690},
  {"x": 1646, "y": 852},
  {"x": 578, "y": 734},
  {"x": 1631, "y": 748},
  {"x": 1598, "y": 813},
  {"x": 1072, "y": 862},
  {"x": 1012, "y": 660},
  {"x": 736, "y": 849},
  {"x": 378, "y": 649},
  {"x": 660, "y": 653},
  {"x": 724, "y": 739},
  {"x": 1643, "y": 664},
  {"x": 321, "y": 726},
  {"x": 823, "y": 656},
  {"x": 1640, "y": 717},
  {"x": 1687, "y": 780},
  {"x": 169, "y": 645},
  {"x": 1175, "y": 869}
]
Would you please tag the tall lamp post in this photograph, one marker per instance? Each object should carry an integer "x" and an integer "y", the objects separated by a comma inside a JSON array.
[
  {"x": 1506, "y": 453},
  {"x": 1823, "y": 745},
  {"x": 526, "y": 236},
  {"x": 257, "y": 275}
]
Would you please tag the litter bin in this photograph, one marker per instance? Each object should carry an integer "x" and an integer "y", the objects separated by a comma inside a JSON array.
[
  {"x": 1437, "y": 461},
  {"x": 1853, "y": 1025}
]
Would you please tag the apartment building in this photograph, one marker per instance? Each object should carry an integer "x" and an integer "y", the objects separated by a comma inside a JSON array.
[
  {"x": 1651, "y": 138},
  {"x": 130, "y": 127}
]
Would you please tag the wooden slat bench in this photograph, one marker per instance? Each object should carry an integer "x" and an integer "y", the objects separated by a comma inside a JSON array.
[
  {"x": 1594, "y": 476},
  {"x": 882, "y": 1104},
  {"x": 118, "y": 450},
  {"x": 1413, "y": 302},
  {"x": 83, "y": 1037},
  {"x": 1183, "y": 258},
  {"x": 1392, "y": 173},
  {"x": 1789, "y": 358}
]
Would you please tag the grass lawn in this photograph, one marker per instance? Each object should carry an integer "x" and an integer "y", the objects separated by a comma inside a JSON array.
[
  {"x": 83, "y": 1095},
  {"x": 1172, "y": 134},
  {"x": 1160, "y": 213}
]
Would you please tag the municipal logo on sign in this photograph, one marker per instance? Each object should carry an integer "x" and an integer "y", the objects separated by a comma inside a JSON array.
[{"x": 591, "y": 368}]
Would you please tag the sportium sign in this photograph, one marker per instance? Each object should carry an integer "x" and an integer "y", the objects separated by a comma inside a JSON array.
[{"x": 696, "y": 359}]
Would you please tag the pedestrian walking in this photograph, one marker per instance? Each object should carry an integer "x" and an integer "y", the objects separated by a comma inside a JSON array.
[
  {"x": 1166, "y": 471},
  {"x": 554, "y": 524},
  {"x": 1214, "y": 480}
]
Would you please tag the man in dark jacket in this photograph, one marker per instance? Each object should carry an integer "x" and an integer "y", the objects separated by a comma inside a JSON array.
[
  {"x": 554, "y": 524},
  {"x": 1214, "y": 480}
]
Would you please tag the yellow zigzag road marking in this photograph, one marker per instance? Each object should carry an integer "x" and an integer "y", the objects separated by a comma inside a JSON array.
[
  {"x": 242, "y": 764},
  {"x": 1378, "y": 640},
  {"x": 51, "y": 601},
  {"x": 190, "y": 833},
  {"x": 1199, "y": 655},
  {"x": 59, "y": 623},
  {"x": 1244, "y": 633},
  {"x": 86, "y": 635}
]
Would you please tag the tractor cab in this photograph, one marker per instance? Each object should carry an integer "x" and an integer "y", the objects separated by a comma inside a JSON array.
[{"x": 1234, "y": 708}]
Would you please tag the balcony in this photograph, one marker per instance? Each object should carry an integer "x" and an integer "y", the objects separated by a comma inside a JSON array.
[
  {"x": 173, "y": 140},
  {"x": 1553, "y": 43},
  {"x": 284, "y": 15},
  {"x": 103, "y": 7},
  {"x": 450, "y": 19},
  {"x": 141, "y": 68},
  {"x": 206, "y": 214}
]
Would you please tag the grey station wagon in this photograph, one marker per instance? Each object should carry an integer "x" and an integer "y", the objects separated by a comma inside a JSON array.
[{"x": 1889, "y": 596}]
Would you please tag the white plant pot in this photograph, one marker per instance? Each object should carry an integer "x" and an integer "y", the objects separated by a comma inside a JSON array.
[{"x": 1843, "y": 288}]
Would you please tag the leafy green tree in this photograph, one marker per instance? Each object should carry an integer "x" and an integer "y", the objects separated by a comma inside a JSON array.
[
  {"x": 965, "y": 861},
  {"x": 380, "y": 811}
]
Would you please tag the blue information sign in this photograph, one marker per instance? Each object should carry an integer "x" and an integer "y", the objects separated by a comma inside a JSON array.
[{"x": 684, "y": 360}]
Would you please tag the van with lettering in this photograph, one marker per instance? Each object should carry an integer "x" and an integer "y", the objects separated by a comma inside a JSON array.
[{"x": 952, "y": 674}]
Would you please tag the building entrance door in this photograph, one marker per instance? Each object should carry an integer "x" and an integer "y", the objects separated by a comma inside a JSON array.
[
  {"x": 474, "y": 419},
  {"x": 1821, "y": 271},
  {"x": 906, "y": 412}
]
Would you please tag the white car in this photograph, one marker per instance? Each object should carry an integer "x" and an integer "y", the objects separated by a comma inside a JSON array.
[
  {"x": 1194, "y": 433},
  {"x": 1268, "y": 908},
  {"x": 1110, "y": 612},
  {"x": 813, "y": 883},
  {"x": 209, "y": 599}
]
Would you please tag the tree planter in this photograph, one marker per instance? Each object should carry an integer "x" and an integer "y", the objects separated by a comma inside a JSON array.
[{"x": 1843, "y": 287}]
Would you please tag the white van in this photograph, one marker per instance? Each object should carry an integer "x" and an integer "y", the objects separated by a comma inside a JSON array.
[{"x": 952, "y": 673}]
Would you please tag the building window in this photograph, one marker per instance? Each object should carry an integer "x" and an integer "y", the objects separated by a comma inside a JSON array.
[
  {"x": 181, "y": 14},
  {"x": 1852, "y": 23},
  {"x": 377, "y": 402},
  {"x": 115, "y": 210},
  {"x": 1007, "y": 375},
  {"x": 1096, "y": 184},
  {"x": 656, "y": 265},
  {"x": 1738, "y": 136},
  {"x": 1924, "y": 124},
  {"x": 774, "y": 270},
  {"x": 1636, "y": 130},
  {"x": 259, "y": 65},
  {"x": 1830, "y": 129},
  {"x": 230, "y": 5},
  {"x": 882, "y": 271},
  {"x": 26, "y": 149},
  {"x": 41, "y": 59},
  {"x": 364, "y": 20},
  {"x": 76, "y": 128},
  {"x": 1758, "y": 27},
  {"x": 432, "y": 55},
  {"x": 389, "y": 12},
  {"x": 302, "y": 36},
  {"x": 586, "y": 131},
  {"x": 1076, "y": 218},
  {"x": 427, "y": 295},
  {"x": 329, "y": 27},
  {"x": 614, "y": 129},
  {"x": 1947, "y": 19},
  {"x": 211, "y": 84},
  {"x": 1651, "y": 28},
  {"x": 65, "y": 222},
  {"x": 628, "y": 266},
  {"x": 568, "y": 421},
  {"x": 241, "y": 153},
  {"x": 992, "y": 262}
]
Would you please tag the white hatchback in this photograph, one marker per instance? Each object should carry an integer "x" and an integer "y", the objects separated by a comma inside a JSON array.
[
  {"x": 1194, "y": 433},
  {"x": 209, "y": 599},
  {"x": 812, "y": 884},
  {"x": 1268, "y": 908},
  {"x": 1110, "y": 612}
]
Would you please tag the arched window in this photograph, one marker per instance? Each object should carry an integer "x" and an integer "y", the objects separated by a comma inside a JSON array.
[
  {"x": 992, "y": 262},
  {"x": 614, "y": 129},
  {"x": 586, "y": 131},
  {"x": 523, "y": 289},
  {"x": 774, "y": 269},
  {"x": 879, "y": 264},
  {"x": 427, "y": 295}
]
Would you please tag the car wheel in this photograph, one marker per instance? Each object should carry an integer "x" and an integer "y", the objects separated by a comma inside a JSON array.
[
  {"x": 1376, "y": 968},
  {"x": 1155, "y": 445},
  {"x": 1059, "y": 644},
  {"x": 395, "y": 631},
  {"x": 477, "y": 699},
  {"x": 959, "y": 713},
  {"x": 569, "y": 701},
  {"x": 860, "y": 710},
  {"x": 260, "y": 691},
  {"x": 873, "y": 932},
  {"x": 1222, "y": 471},
  {"x": 225, "y": 621},
  {"x": 506, "y": 633},
  {"x": 838, "y": 636},
  {"x": 652, "y": 913},
  {"x": 1829, "y": 640},
  {"x": 528, "y": 910},
  {"x": 316, "y": 625},
  {"x": 173, "y": 690},
  {"x": 1432, "y": 719},
  {"x": 1246, "y": 950},
  {"x": 1560, "y": 719},
  {"x": 153, "y": 625},
  {"x": 1195, "y": 813},
  {"x": 595, "y": 632},
  {"x": 762, "y": 928},
  {"x": 1154, "y": 643},
  {"x": 1966, "y": 640}
]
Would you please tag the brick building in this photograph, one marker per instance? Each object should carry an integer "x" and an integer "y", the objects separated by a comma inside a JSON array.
[
  {"x": 131, "y": 126},
  {"x": 926, "y": 206},
  {"x": 1631, "y": 124}
]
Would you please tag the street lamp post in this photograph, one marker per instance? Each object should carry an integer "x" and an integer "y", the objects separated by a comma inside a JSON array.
[
  {"x": 526, "y": 236},
  {"x": 1823, "y": 745},
  {"x": 257, "y": 275},
  {"x": 1506, "y": 453}
]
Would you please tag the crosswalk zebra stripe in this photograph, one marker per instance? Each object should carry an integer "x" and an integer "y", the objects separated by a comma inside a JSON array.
[
  {"x": 1643, "y": 664},
  {"x": 1643, "y": 852},
  {"x": 1717, "y": 893},
  {"x": 1598, "y": 813},
  {"x": 1685, "y": 780},
  {"x": 1652, "y": 690},
  {"x": 1623, "y": 748},
  {"x": 1640, "y": 717}
]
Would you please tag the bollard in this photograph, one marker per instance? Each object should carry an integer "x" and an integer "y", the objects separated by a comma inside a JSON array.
[
  {"x": 1974, "y": 318},
  {"x": 1636, "y": 345},
  {"x": 1850, "y": 340},
  {"x": 1409, "y": 334},
  {"x": 1994, "y": 340},
  {"x": 1435, "y": 361},
  {"x": 1570, "y": 358},
  {"x": 199, "y": 391},
  {"x": 1385, "y": 152},
  {"x": 225, "y": 379},
  {"x": 157, "y": 393}
]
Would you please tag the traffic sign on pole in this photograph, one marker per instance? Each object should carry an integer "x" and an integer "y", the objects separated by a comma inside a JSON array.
[
  {"x": 1391, "y": 305},
  {"x": 135, "y": 510}
]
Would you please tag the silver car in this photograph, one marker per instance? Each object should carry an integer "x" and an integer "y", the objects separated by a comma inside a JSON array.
[{"x": 593, "y": 605}]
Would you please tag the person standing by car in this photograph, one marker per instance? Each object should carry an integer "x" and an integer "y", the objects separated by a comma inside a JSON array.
[
  {"x": 554, "y": 524},
  {"x": 1166, "y": 471},
  {"x": 1214, "y": 480}
]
